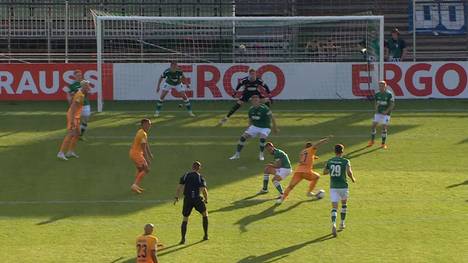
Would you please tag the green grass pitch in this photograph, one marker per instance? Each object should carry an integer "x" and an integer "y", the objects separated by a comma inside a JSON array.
[{"x": 409, "y": 204}]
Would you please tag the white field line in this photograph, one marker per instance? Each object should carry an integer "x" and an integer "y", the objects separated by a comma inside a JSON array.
[
  {"x": 305, "y": 110},
  {"x": 273, "y": 109},
  {"x": 115, "y": 137},
  {"x": 68, "y": 202},
  {"x": 159, "y": 201}
]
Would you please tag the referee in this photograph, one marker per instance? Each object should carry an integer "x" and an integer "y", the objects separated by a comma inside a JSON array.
[{"x": 191, "y": 184}]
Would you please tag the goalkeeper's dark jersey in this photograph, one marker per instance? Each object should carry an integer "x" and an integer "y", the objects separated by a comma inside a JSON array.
[{"x": 252, "y": 86}]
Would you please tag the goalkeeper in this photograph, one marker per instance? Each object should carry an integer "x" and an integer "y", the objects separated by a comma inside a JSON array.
[{"x": 252, "y": 86}]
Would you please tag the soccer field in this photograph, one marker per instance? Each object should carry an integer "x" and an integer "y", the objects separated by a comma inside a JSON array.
[{"x": 409, "y": 203}]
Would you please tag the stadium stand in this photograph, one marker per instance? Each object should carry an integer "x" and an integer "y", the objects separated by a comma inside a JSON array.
[{"x": 38, "y": 30}]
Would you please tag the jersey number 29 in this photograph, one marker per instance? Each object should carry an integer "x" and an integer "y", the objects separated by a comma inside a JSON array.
[{"x": 335, "y": 170}]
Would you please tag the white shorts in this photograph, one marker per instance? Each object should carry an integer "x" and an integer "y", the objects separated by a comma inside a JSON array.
[
  {"x": 86, "y": 111},
  {"x": 254, "y": 131},
  {"x": 381, "y": 119},
  {"x": 283, "y": 172},
  {"x": 167, "y": 87},
  {"x": 338, "y": 194}
]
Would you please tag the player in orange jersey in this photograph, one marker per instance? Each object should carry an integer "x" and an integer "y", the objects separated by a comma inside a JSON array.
[
  {"x": 140, "y": 154},
  {"x": 73, "y": 123},
  {"x": 304, "y": 169},
  {"x": 147, "y": 246}
]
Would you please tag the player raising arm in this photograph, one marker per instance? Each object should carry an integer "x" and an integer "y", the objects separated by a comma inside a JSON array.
[
  {"x": 252, "y": 85},
  {"x": 75, "y": 86},
  {"x": 86, "y": 112},
  {"x": 384, "y": 104},
  {"x": 140, "y": 154},
  {"x": 73, "y": 123},
  {"x": 146, "y": 246},
  {"x": 261, "y": 119},
  {"x": 174, "y": 79},
  {"x": 304, "y": 169},
  {"x": 338, "y": 168}
]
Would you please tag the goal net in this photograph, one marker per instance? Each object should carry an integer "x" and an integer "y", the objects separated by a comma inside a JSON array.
[{"x": 214, "y": 52}]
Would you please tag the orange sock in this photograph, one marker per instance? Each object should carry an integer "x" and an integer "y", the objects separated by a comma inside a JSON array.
[
  {"x": 139, "y": 177},
  {"x": 65, "y": 143},
  {"x": 73, "y": 141},
  {"x": 312, "y": 184}
]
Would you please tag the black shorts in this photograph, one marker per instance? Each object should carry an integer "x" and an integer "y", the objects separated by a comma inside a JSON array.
[
  {"x": 247, "y": 94},
  {"x": 190, "y": 203}
]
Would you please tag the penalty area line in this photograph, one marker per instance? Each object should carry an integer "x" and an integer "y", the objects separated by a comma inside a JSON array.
[
  {"x": 273, "y": 109},
  {"x": 68, "y": 202},
  {"x": 301, "y": 110}
]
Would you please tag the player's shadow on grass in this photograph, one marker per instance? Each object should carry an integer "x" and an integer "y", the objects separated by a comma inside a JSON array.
[
  {"x": 459, "y": 184},
  {"x": 242, "y": 203},
  {"x": 361, "y": 151},
  {"x": 168, "y": 250},
  {"x": 52, "y": 219},
  {"x": 8, "y": 134},
  {"x": 117, "y": 260},
  {"x": 463, "y": 141},
  {"x": 270, "y": 211},
  {"x": 284, "y": 252}
]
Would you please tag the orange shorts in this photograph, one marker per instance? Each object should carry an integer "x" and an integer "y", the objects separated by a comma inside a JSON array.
[
  {"x": 309, "y": 176},
  {"x": 138, "y": 159},
  {"x": 73, "y": 124}
]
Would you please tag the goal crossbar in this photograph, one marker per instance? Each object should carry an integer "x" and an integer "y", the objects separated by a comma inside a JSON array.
[{"x": 237, "y": 18}]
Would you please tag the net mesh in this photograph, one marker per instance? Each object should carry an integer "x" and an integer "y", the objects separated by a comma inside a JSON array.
[{"x": 230, "y": 41}]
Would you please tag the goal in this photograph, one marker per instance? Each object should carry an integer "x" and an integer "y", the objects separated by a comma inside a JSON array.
[{"x": 134, "y": 50}]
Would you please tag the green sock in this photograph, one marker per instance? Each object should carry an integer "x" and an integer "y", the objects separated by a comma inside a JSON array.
[
  {"x": 240, "y": 144},
  {"x": 83, "y": 127},
  {"x": 278, "y": 186},
  {"x": 373, "y": 132},
  {"x": 262, "y": 144},
  {"x": 384, "y": 137},
  {"x": 188, "y": 105},
  {"x": 266, "y": 177},
  {"x": 333, "y": 215},
  {"x": 159, "y": 105},
  {"x": 343, "y": 213}
]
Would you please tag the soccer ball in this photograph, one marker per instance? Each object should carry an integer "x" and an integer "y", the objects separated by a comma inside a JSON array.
[
  {"x": 320, "y": 194},
  {"x": 242, "y": 48}
]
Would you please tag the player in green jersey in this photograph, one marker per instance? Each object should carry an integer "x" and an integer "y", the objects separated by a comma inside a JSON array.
[
  {"x": 384, "y": 104},
  {"x": 280, "y": 169},
  {"x": 338, "y": 168},
  {"x": 261, "y": 120},
  {"x": 86, "y": 112},
  {"x": 174, "y": 79}
]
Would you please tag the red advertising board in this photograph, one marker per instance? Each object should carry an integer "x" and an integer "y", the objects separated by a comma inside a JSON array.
[{"x": 47, "y": 81}]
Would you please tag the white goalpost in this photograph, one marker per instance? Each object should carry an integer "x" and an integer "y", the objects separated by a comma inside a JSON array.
[{"x": 138, "y": 42}]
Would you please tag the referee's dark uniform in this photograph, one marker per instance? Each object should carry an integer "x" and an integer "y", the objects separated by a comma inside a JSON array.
[{"x": 192, "y": 183}]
